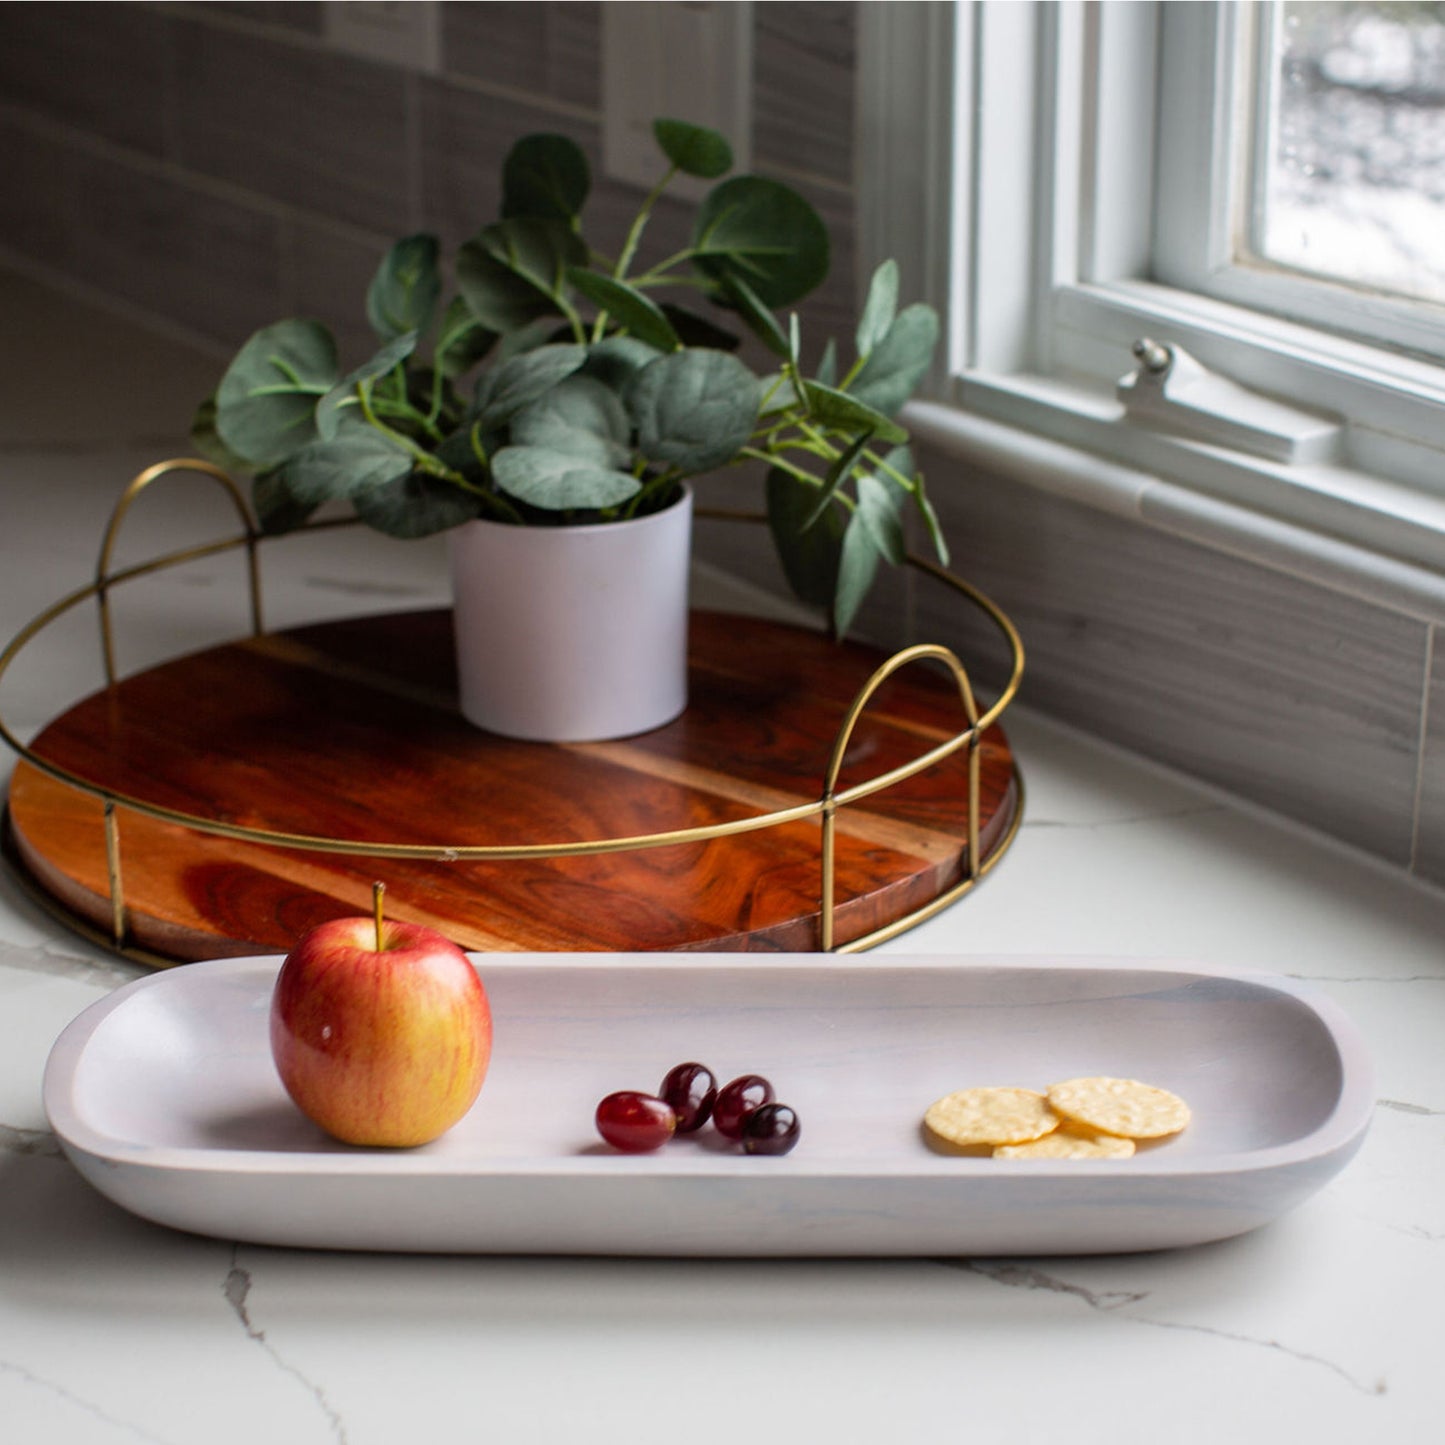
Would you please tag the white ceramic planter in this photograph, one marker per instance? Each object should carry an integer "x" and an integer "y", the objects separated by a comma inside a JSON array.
[{"x": 573, "y": 634}]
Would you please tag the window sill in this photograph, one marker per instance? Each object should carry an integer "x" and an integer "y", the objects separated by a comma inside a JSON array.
[{"x": 1340, "y": 529}]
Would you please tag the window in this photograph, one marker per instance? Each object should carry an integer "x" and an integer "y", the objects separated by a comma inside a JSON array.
[
  {"x": 1322, "y": 137},
  {"x": 1102, "y": 173},
  {"x": 1345, "y": 174}
]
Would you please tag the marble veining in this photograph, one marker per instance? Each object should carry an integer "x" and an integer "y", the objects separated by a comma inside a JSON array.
[
  {"x": 1022, "y": 1276},
  {"x": 237, "y": 1293},
  {"x": 43, "y": 1384}
]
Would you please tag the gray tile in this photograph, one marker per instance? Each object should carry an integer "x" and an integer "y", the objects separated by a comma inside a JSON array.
[
  {"x": 825, "y": 28},
  {"x": 37, "y": 183},
  {"x": 147, "y": 401},
  {"x": 208, "y": 264},
  {"x": 574, "y": 44},
  {"x": 330, "y": 272},
  {"x": 465, "y": 136},
  {"x": 544, "y": 48},
  {"x": 503, "y": 43},
  {"x": 1296, "y": 698},
  {"x": 101, "y": 68},
  {"x": 1430, "y": 839},
  {"x": 326, "y": 133},
  {"x": 803, "y": 79},
  {"x": 303, "y": 17}
]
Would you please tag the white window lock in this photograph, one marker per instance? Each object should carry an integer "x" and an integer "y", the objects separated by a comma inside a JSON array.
[{"x": 1171, "y": 391}]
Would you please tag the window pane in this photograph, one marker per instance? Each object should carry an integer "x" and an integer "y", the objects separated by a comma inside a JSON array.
[{"x": 1352, "y": 184}]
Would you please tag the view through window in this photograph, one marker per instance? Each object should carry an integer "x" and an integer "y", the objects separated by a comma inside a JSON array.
[{"x": 1349, "y": 179}]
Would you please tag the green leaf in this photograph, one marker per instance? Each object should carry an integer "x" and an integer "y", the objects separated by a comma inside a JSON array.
[
  {"x": 765, "y": 233},
  {"x": 276, "y": 509},
  {"x": 759, "y": 317},
  {"x": 579, "y": 417},
  {"x": 828, "y": 364},
  {"x": 558, "y": 482},
  {"x": 843, "y": 410},
  {"x": 463, "y": 342},
  {"x": 545, "y": 175},
  {"x": 899, "y": 361},
  {"x": 877, "y": 510},
  {"x": 879, "y": 309},
  {"x": 694, "y": 149},
  {"x": 207, "y": 440},
  {"x": 542, "y": 332},
  {"x": 930, "y": 520},
  {"x": 415, "y": 505},
  {"x": 507, "y": 388},
  {"x": 780, "y": 393},
  {"x": 837, "y": 474},
  {"x": 341, "y": 400},
  {"x": 615, "y": 360},
  {"x": 497, "y": 297},
  {"x": 457, "y": 452},
  {"x": 693, "y": 409},
  {"x": 404, "y": 292},
  {"x": 695, "y": 330},
  {"x": 536, "y": 248},
  {"x": 809, "y": 558},
  {"x": 640, "y": 314},
  {"x": 266, "y": 402},
  {"x": 513, "y": 271},
  {"x": 358, "y": 458},
  {"x": 857, "y": 567}
]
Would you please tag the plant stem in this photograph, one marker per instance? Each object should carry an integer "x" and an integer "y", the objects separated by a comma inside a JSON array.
[
  {"x": 907, "y": 483},
  {"x": 639, "y": 224},
  {"x": 424, "y": 459},
  {"x": 654, "y": 274},
  {"x": 438, "y": 383},
  {"x": 669, "y": 478},
  {"x": 853, "y": 371},
  {"x": 774, "y": 459},
  {"x": 572, "y": 316},
  {"x": 821, "y": 445}
]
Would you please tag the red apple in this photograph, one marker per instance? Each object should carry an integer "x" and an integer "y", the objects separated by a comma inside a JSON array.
[{"x": 380, "y": 1046}]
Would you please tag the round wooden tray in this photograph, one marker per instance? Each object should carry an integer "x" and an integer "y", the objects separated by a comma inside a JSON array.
[{"x": 350, "y": 731}]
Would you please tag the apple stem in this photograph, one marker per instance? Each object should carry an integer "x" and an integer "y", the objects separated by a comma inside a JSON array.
[{"x": 377, "y": 889}]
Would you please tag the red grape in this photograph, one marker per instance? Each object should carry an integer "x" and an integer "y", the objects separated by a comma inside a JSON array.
[
  {"x": 691, "y": 1089},
  {"x": 635, "y": 1122},
  {"x": 770, "y": 1129},
  {"x": 735, "y": 1101}
]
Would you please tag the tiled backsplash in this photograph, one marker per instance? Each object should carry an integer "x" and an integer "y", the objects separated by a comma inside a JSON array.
[
  {"x": 216, "y": 166},
  {"x": 1296, "y": 697}
]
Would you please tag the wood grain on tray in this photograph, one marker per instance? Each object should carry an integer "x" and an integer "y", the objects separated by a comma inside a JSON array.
[{"x": 350, "y": 730}]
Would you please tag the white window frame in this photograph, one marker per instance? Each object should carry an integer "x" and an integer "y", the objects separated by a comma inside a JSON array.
[
  {"x": 1049, "y": 114},
  {"x": 1212, "y": 51}
]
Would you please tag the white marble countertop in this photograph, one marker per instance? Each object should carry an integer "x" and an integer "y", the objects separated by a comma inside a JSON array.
[{"x": 1322, "y": 1326}]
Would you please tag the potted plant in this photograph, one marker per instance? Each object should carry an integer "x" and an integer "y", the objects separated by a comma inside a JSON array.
[{"x": 561, "y": 400}]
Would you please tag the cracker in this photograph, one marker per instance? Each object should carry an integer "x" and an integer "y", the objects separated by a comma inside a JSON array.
[
  {"x": 990, "y": 1116},
  {"x": 1122, "y": 1107},
  {"x": 1067, "y": 1142}
]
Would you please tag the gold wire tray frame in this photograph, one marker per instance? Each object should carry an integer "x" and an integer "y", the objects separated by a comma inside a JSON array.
[{"x": 824, "y": 807}]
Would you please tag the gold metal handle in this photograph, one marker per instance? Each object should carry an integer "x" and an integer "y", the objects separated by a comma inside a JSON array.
[
  {"x": 832, "y": 799},
  {"x": 104, "y": 576}
]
